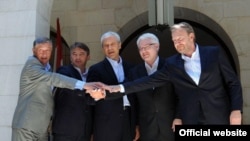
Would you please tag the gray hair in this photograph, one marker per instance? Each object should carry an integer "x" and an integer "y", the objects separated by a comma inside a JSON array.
[
  {"x": 109, "y": 34},
  {"x": 184, "y": 25},
  {"x": 147, "y": 36},
  {"x": 41, "y": 40}
]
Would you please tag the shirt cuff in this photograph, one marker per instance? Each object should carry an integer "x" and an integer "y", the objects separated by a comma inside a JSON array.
[
  {"x": 122, "y": 89},
  {"x": 79, "y": 85}
]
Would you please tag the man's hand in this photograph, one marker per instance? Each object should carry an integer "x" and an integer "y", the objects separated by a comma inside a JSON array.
[
  {"x": 93, "y": 85},
  {"x": 112, "y": 88},
  {"x": 97, "y": 94},
  {"x": 176, "y": 121},
  {"x": 235, "y": 117},
  {"x": 137, "y": 133}
]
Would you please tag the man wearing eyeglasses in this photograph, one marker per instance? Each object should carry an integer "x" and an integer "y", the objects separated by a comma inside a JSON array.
[{"x": 156, "y": 105}]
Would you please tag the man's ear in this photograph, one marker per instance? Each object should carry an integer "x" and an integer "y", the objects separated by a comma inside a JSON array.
[
  {"x": 158, "y": 47},
  {"x": 120, "y": 45},
  {"x": 192, "y": 36}
]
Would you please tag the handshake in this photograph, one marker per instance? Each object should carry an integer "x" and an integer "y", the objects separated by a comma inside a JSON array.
[{"x": 97, "y": 90}]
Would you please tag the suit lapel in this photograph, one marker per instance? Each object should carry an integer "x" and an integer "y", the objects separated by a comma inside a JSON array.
[
  {"x": 203, "y": 62},
  {"x": 109, "y": 69},
  {"x": 143, "y": 71},
  {"x": 161, "y": 63},
  {"x": 180, "y": 65},
  {"x": 126, "y": 68},
  {"x": 75, "y": 73}
]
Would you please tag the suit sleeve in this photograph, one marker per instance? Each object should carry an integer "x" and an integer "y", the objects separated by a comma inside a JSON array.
[
  {"x": 232, "y": 82},
  {"x": 50, "y": 78},
  {"x": 59, "y": 91},
  {"x": 159, "y": 78}
]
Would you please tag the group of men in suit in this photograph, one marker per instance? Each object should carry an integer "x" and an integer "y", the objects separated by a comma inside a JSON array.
[
  {"x": 196, "y": 86},
  {"x": 206, "y": 85}
]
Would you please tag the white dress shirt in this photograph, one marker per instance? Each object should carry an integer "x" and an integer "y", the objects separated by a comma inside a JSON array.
[
  {"x": 192, "y": 65},
  {"x": 84, "y": 74},
  {"x": 151, "y": 70},
  {"x": 118, "y": 69}
]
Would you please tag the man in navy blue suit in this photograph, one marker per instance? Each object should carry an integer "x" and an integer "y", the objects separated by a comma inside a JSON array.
[
  {"x": 155, "y": 106},
  {"x": 72, "y": 119},
  {"x": 207, "y": 86},
  {"x": 114, "y": 120}
]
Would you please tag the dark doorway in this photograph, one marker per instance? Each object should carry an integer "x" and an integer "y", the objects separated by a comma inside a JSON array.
[
  {"x": 65, "y": 51},
  {"x": 204, "y": 36}
]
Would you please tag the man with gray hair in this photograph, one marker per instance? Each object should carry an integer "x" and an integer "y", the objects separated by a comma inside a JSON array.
[
  {"x": 156, "y": 106},
  {"x": 114, "y": 120}
]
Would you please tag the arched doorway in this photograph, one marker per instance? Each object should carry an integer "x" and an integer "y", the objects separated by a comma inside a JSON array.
[{"x": 208, "y": 32}]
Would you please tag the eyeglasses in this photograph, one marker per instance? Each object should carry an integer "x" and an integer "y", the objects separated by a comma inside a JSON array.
[{"x": 147, "y": 47}]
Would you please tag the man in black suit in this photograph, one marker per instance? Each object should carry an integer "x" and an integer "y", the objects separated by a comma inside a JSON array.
[
  {"x": 72, "y": 120},
  {"x": 207, "y": 86},
  {"x": 114, "y": 120},
  {"x": 156, "y": 106}
]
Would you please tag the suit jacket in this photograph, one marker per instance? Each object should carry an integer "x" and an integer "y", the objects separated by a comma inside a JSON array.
[
  {"x": 35, "y": 101},
  {"x": 156, "y": 108},
  {"x": 218, "y": 92},
  {"x": 72, "y": 114},
  {"x": 108, "y": 113}
]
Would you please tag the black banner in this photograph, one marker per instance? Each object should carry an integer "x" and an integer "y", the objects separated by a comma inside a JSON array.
[{"x": 241, "y": 132}]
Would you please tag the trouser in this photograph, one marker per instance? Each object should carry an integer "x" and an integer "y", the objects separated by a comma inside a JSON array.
[
  {"x": 58, "y": 137},
  {"x": 27, "y": 135},
  {"x": 127, "y": 135}
]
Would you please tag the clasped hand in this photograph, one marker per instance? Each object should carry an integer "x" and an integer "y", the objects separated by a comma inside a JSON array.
[{"x": 97, "y": 89}]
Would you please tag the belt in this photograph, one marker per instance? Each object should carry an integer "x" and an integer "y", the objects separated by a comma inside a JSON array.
[{"x": 126, "y": 107}]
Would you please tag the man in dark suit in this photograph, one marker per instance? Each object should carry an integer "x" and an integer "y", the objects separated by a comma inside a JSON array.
[
  {"x": 114, "y": 120},
  {"x": 156, "y": 106},
  {"x": 207, "y": 86},
  {"x": 72, "y": 120}
]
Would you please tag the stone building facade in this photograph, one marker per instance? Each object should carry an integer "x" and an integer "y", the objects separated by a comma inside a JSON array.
[{"x": 85, "y": 20}]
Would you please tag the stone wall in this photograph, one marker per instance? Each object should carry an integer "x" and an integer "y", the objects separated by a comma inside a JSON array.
[{"x": 85, "y": 21}]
